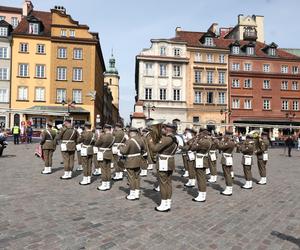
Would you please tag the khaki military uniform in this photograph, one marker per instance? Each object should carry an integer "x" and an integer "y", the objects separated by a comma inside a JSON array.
[
  {"x": 87, "y": 140},
  {"x": 97, "y": 164},
  {"x": 213, "y": 153},
  {"x": 227, "y": 148},
  {"x": 144, "y": 165},
  {"x": 150, "y": 160},
  {"x": 247, "y": 149},
  {"x": 120, "y": 138},
  {"x": 261, "y": 147},
  {"x": 190, "y": 162},
  {"x": 105, "y": 143},
  {"x": 48, "y": 144}
]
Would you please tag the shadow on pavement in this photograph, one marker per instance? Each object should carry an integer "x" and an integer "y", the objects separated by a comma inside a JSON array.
[
  {"x": 7, "y": 156},
  {"x": 286, "y": 237},
  {"x": 56, "y": 169}
]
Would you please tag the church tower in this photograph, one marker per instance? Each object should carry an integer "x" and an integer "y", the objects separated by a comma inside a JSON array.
[{"x": 111, "y": 77}]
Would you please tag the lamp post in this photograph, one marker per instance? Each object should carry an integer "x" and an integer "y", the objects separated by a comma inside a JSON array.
[
  {"x": 290, "y": 116},
  {"x": 225, "y": 111},
  {"x": 69, "y": 104},
  {"x": 149, "y": 108}
]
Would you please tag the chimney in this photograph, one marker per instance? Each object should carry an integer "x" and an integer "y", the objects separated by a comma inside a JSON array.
[
  {"x": 240, "y": 16},
  {"x": 27, "y": 7},
  {"x": 62, "y": 9}
]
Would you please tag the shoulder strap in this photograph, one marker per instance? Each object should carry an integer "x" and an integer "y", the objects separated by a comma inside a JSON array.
[
  {"x": 136, "y": 143},
  {"x": 49, "y": 134}
]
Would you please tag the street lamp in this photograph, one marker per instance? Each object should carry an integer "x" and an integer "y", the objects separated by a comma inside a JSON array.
[
  {"x": 149, "y": 108},
  {"x": 290, "y": 116},
  {"x": 225, "y": 111},
  {"x": 69, "y": 104}
]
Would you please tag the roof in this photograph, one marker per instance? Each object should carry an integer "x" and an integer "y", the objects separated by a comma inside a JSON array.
[
  {"x": 292, "y": 51},
  {"x": 3, "y": 23},
  {"x": 10, "y": 9},
  {"x": 44, "y": 17},
  {"x": 138, "y": 115}
]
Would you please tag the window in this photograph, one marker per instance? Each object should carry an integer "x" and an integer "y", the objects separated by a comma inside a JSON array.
[
  {"x": 39, "y": 122},
  {"x": 222, "y": 77},
  {"x": 248, "y": 83},
  {"x": 163, "y": 70},
  {"x": 23, "y": 70},
  {"x": 267, "y": 104},
  {"x": 222, "y": 97},
  {"x": 197, "y": 76},
  {"x": 34, "y": 28},
  {"x": 3, "y": 31},
  {"x": 39, "y": 94},
  {"x": 3, "y": 74},
  {"x": 209, "y": 77},
  {"x": 284, "y": 69},
  {"x": 235, "y": 103},
  {"x": 148, "y": 94},
  {"x": 235, "y": 83},
  {"x": 163, "y": 94},
  {"x": 61, "y": 95},
  {"x": 235, "y": 50},
  {"x": 61, "y": 73},
  {"x": 295, "y": 70},
  {"x": 285, "y": 105},
  {"x": 196, "y": 119},
  {"x": 250, "y": 50},
  {"x": 209, "y": 58},
  {"x": 3, "y": 95},
  {"x": 209, "y": 41},
  {"x": 72, "y": 33},
  {"x": 176, "y": 71},
  {"x": 198, "y": 97},
  {"x": 221, "y": 58},
  {"x": 149, "y": 69},
  {"x": 266, "y": 68},
  {"x": 23, "y": 47},
  {"x": 295, "y": 85},
  {"x": 77, "y": 95},
  {"x": 77, "y": 74},
  {"x": 2, "y": 18},
  {"x": 3, "y": 52},
  {"x": 40, "y": 71},
  {"x": 176, "y": 94},
  {"x": 40, "y": 49},
  {"x": 62, "y": 53},
  {"x": 235, "y": 66},
  {"x": 247, "y": 104},
  {"x": 77, "y": 54},
  {"x": 210, "y": 97},
  {"x": 162, "y": 51},
  {"x": 296, "y": 105},
  {"x": 266, "y": 84},
  {"x": 22, "y": 93},
  {"x": 272, "y": 51},
  {"x": 63, "y": 32},
  {"x": 197, "y": 57},
  {"x": 177, "y": 52},
  {"x": 284, "y": 85},
  {"x": 247, "y": 67},
  {"x": 14, "y": 22}
]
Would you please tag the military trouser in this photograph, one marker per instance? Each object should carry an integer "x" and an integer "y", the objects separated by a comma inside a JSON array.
[
  {"x": 262, "y": 167},
  {"x": 144, "y": 165},
  {"x": 212, "y": 166},
  {"x": 96, "y": 163},
  {"x": 227, "y": 174},
  {"x": 68, "y": 157},
  {"x": 247, "y": 172},
  {"x": 118, "y": 163},
  {"x": 79, "y": 158},
  {"x": 191, "y": 169},
  {"x": 87, "y": 165},
  {"x": 134, "y": 178},
  {"x": 105, "y": 170},
  {"x": 165, "y": 184},
  {"x": 48, "y": 154},
  {"x": 185, "y": 162},
  {"x": 201, "y": 179}
]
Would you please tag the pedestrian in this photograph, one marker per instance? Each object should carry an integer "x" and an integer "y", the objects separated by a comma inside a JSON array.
[
  {"x": 16, "y": 131},
  {"x": 299, "y": 141},
  {"x": 289, "y": 142},
  {"x": 29, "y": 134}
]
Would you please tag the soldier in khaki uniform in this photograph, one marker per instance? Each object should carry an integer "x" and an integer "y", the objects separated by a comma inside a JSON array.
[
  {"x": 187, "y": 135},
  {"x": 227, "y": 146},
  {"x": 212, "y": 159},
  {"x": 133, "y": 149},
  {"x": 105, "y": 156},
  {"x": 78, "y": 149},
  {"x": 261, "y": 151},
  {"x": 48, "y": 144},
  {"x": 165, "y": 150},
  {"x": 144, "y": 166},
  {"x": 68, "y": 136},
  {"x": 87, "y": 139},
  {"x": 247, "y": 149},
  {"x": 120, "y": 138},
  {"x": 191, "y": 159},
  {"x": 97, "y": 164},
  {"x": 150, "y": 161}
]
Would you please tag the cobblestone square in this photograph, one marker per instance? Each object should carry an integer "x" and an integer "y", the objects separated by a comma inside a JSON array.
[{"x": 43, "y": 212}]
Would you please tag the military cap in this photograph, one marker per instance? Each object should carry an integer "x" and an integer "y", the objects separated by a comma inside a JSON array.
[
  {"x": 98, "y": 127},
  {"x": 265, "y": 133},
  {"x": 171, "y": 125},
  {"x": 119, "y": 125},
  {"x": 87, "y": 124},
  {"x": 50, "y": 124},
  {"x": 133, "y": 129},
  {"x": 68, "y": 119},
  {"x": 107, "y": 126},
  {"x": 145, "y": 130},
  {"x": 228, "y": 133}
]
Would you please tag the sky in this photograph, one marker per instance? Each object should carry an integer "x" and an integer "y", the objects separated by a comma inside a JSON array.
[{"x": 127, "y": 26}]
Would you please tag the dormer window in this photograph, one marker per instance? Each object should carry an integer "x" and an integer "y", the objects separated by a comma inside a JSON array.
[
  {"x": 209, "y": 41},
  {"x": 235, "y": 50},
  {"x": 250, "y": 50},
  {"x": 3, "y": 31},
  {"x": 272, "y": 52},
  {"x": 34, "y": 28},
  {"x": 72, "y": 33},
  {"x": 177, "y": 52},
  {"x": 163, "y": 51},
  {"x": 63, "y": 32}
]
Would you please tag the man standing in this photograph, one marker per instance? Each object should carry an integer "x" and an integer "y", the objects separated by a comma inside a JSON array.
[
  {"x": 16, "y": 131},
  {"x": 187, "y": 135},
  {"x": 191, "y": 159},
  {"x": 247, "y": 149},
  {"x": 120, "y": 138},
  {"x": 104, "y": 143},
  {"x": 48, "y": 144},
  {"x": 29, "y": 134},
  {"x": 165, "y": 150},
  {"x": 289, "y": 142},
  {"x": 212, "y": 159},
  {"x": 68, "y": 136},
  {"x": 133, "y": 149},
  {"x": 78, "y": 149},
  {"x": 97, "y": 164},
  {"x": 261, "y": 150}
]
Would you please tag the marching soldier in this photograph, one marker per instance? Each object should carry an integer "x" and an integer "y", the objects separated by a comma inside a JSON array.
[
  {"x": 133, "y": 149},
  {"x": 48, "y": 144},
  {"x": 187, "y": 135},
  {"x": 144, "y": 167},
  {"x": 150, "y": 160},
  {"x": 120, "y": 138},
  {"x": 227, "y": 146},
  {"x": 165, "y": 150},
  {"x": 261, "y": 150},
  {"x": 191, "y": 159},
  {"x": 212, "y": 159},
  {"x": 78, "y": 149},
  {"x": 68, "y": 136},
  {"x": 104, "y": 143},
  {"x": 97, "y": 164},
  {"x": 87, "y": 139},
  {"x": 247, "y": 149}
]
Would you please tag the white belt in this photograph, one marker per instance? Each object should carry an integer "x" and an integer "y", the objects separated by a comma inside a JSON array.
[
  {"x": 66, "y": 141},
  {"x": 202, "y": 155},
  {"x": 104, "y": 149},
  {"x": 167, "y": 156},
  {"x": 118, "y": 144},
  {"x": 85, "y": 146},
  {"x": 227, "y": 155},
  {"x": 249, "y": 156},
  {"x": 213, "y": 151},
  {"x": 133, "y": 155},
  {"x": 48, "y": 140}
]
